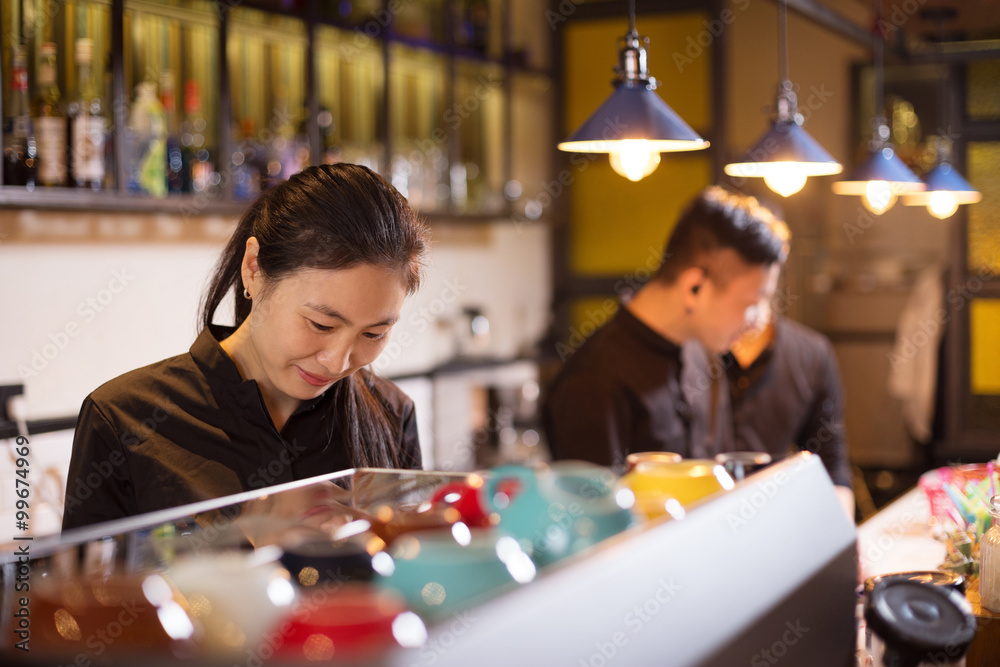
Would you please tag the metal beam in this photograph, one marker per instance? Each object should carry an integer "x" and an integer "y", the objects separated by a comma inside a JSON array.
[
  {"x": 938, "y": 52},
  {"x": 831, "y": 20}
]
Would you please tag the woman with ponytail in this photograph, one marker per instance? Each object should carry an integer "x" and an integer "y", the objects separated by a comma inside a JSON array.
[{"x": 319, "y": 268}]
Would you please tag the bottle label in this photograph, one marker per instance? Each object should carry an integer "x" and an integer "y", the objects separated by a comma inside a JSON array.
[
  {"x": 20, "y": 76},
  {"x": 50, "y": 137},
  {"x": 46, "y": 74},
  {"x": 88, "y": 148}
]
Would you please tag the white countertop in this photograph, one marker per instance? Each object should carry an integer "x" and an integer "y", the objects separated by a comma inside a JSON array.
[{"x": 898, "y": 538}]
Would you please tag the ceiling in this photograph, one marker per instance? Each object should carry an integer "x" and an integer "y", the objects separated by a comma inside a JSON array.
[{"x": 930, "y": 20}]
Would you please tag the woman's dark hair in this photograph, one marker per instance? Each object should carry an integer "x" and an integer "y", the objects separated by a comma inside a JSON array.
[
  {"x": 718, "y": 219},
  {"x": 330, "y": 217}
]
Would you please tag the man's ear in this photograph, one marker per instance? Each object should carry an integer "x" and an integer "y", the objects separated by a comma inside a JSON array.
[{"x": 690, "y": 282}]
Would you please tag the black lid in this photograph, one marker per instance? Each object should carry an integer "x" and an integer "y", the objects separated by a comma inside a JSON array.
[
  {"x": 328, "y": 561},
  {"x": 948, "y": 579},
  {"x": 919, "y": 621}
]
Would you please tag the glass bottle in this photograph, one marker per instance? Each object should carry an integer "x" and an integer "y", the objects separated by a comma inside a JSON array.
[
  {"x": 87, "y": 124},
  {"x": 50, "y": 121},
  {"x": 249, "y": 163},
  {"x": 19, "y": 159},
  {"x": 199, "y": 171},
  {"x": 989, "y": 561},
  {"x": 147, "y": 143},
  {"x": 175, "y": 163}
]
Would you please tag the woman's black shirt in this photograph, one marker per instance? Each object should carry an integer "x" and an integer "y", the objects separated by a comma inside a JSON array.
[{"x": 190, "y": 428}]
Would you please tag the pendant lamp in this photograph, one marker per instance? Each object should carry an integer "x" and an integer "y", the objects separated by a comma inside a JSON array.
[
  {"x": 786, "y": 155},
  {"x": 634, "y": 125},
  {"x": 881, "y": 178},
  {"x": 946, "y": 189}
]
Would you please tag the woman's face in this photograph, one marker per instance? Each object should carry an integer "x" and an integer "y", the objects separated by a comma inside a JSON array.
[{"x": 317, "y": 326}]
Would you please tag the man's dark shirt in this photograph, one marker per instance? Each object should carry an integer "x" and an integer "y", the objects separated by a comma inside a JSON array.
[
  {"x": 621, "y": 393},
  {"x": 190, "y": 428},
  {"x": 790, "y": 398}
]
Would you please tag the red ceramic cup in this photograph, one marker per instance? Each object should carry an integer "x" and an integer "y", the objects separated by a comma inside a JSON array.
[{"x": 349, "y": 621}]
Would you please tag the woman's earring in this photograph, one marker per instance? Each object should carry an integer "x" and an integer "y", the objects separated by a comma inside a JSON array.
[{"x": 246, "y": 294}]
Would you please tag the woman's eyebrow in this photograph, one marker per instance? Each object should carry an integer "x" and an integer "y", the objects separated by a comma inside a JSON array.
[{"x": 335, "y": 314}]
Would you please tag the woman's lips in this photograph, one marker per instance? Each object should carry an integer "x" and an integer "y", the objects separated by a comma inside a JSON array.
[{"x": 314, "y": 380}]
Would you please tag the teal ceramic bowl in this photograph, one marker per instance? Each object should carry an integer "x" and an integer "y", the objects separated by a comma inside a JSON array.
[{"x": 442, "y": 572}]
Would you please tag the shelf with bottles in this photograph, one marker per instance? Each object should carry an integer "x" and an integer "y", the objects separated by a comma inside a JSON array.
[
  {"x": 420, "y": 91},
  {"x": 54, "y": 115},
  {"x": 269, "y": 126},
  {"x": 171, "y": 130}
]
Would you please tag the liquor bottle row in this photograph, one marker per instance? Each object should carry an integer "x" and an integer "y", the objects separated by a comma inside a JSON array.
[{"x": 54, "y": 142}]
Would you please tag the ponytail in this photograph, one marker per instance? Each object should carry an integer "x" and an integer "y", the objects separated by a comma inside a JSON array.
[{"x": 228, "y": 275}]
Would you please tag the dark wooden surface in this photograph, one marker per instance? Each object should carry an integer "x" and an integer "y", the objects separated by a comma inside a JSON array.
[{"x": 985, "y": 649}]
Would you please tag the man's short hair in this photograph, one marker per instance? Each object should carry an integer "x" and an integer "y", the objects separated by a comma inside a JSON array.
[{"x": 718, "y": 219}]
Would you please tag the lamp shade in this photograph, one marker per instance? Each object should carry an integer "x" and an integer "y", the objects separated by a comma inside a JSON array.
[
  {"x": 785, "y": 144},
  {"x": 633, "y": 112},
  {"x": 882, "y": 165},
  {"x": 945, "y": 178}
]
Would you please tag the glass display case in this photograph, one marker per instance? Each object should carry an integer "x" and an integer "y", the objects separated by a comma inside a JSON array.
[{"x": 300, "y": 572}]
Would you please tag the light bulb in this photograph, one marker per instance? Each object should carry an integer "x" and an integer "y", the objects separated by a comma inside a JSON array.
[
  {"x": 942, "y": 204},
  {"x": 878, "y": 197},
  {"x": 785, "y": 178},
  {"x": 634, "y": 159}
]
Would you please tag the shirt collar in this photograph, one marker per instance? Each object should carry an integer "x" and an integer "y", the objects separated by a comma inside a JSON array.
[
  {"x": 224, "y": 375},
  {"x": 762, "y": 360},
  {"x": 646, "y": 335}
]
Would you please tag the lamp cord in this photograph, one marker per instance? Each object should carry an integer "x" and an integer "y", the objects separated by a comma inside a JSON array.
[
  {"x": 631, "y": 18},
  {"x": 878, "y": 48},
  {"x": 782, "y": 43}
]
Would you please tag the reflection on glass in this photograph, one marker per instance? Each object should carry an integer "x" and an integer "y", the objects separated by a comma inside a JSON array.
[
  {"x": 478, "y": 26},
  {"x": 419, "y": 127},
  {"x": 531, "y": 102},
  {"x": 169, "y": 63},
  {"x": 530, "y": 34},
  {"x": 357, "y": 12},
  {"x": 424, "y": 20},
  {"x": 983, "y": 159},
  {"x": 478, "y": 115},
  {"x": 267, "y": 55},
  {"x": 350, "y": 77}
]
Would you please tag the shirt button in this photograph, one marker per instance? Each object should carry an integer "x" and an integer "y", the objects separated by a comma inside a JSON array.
[{"x": 743, "y": 382}]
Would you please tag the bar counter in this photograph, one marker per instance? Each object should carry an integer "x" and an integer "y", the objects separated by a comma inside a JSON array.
[{"x": 749, "y": 576}]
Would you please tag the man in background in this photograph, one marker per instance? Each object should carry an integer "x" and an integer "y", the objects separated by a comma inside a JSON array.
[{"x": 621, "y": 392}]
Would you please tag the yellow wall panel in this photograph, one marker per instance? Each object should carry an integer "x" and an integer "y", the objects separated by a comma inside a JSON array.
[
  {"x": 984, "y": 218},
  {"x": 615, "y": 222},
  {"x": 591, "y": 53},
  {"x": 984, "y": 344}
]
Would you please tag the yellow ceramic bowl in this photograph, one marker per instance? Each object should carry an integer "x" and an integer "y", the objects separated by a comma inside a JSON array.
[
  {"x": 658, "y": 486},
  {"x": 635, "y": 458}
]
